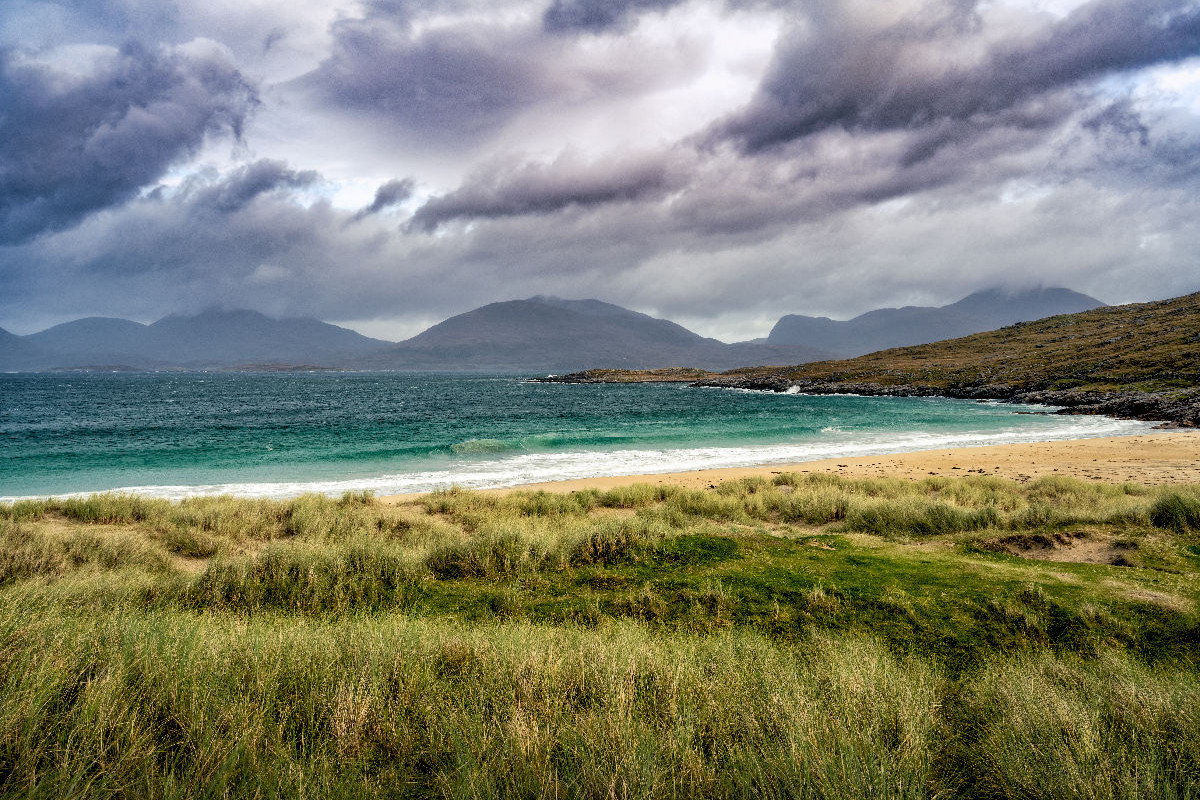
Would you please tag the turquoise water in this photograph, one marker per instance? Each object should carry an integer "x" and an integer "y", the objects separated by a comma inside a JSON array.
[{"x": 278, "y": 435}]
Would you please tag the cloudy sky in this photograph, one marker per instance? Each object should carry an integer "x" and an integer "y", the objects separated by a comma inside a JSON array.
[{"x": 387, "y": 163}]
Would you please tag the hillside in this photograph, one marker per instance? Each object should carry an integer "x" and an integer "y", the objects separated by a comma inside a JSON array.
[
  {"x": 1107, "y": 360},
  {"x": 886, "y": 328},
  {"x": 546, "y": 333}
]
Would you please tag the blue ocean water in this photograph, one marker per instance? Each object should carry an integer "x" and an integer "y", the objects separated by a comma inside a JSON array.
[{"x": 279, "y": 435}]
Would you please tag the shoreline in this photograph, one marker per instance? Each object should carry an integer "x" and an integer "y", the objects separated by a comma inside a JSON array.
[
  {"x": 1178, "y": 407},
  {"x": 1157, "y": 458},
  {"x": 1151, "y": 457}
]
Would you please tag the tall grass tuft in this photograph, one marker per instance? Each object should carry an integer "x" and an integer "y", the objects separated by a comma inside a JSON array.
[
  {"x": 27, "y": 553},
  {"x": 638, "y": 495},
  {"x": 1045, "y": 726},
  {"x": 917, "y": 516},
  {"x": 329, "y": 579},
  {"x": 1176, "y": 511}
]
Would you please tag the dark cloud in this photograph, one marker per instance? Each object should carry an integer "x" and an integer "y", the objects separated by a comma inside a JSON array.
[
  {"x": 594, "y": 16},
  {"x": 892, "y": 78},
  {"x": 250, "y": 237},
  {"x": 274, "y": 37},
  {"x": 389, "y": 194},
  {"x": 454, "y": 84},
  {"x": 539, "y": 189},
  {"x": 71, "y": 144},
  {"x": 243, "y": 185}
]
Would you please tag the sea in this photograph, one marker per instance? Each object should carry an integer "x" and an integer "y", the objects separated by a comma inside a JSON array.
[{"x": 178, "y": 435}]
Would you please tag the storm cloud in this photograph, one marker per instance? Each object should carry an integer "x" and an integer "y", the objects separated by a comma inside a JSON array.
[
  {"x": 456, "y": 84},
  {"x": 389, "y": 194},
  {"x": 235, "y": 191},
  {"x": 536, "y": 189},
  {"x": 598, "y": 15},
  {"x": 842, "y": 72},
  {"x": 73, "y": 142}
]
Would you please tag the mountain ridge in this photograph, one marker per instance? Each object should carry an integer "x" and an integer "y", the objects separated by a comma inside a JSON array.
[{"x": 885, "y": 328}]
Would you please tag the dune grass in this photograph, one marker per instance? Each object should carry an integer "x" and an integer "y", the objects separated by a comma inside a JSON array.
[{"x": 808, "y": 636}]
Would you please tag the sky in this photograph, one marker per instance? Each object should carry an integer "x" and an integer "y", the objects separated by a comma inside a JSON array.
[{"x": 388, "y": 163}]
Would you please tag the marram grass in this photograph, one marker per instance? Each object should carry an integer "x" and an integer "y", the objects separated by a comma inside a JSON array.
[{"x": 802, "y": 637}]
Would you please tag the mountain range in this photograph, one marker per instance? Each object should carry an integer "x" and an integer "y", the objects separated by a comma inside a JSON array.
[
  {"x": 884, "y": 328},
  {"x": 536, "y": 334}
]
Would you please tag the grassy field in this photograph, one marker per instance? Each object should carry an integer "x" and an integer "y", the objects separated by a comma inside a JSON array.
[{"x": 803, "y": 637}]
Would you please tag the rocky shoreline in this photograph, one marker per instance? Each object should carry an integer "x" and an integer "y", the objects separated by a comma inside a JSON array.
[
  {"x": 1179, "y": 409},
  {"x": 1175, "y": 409},
  {"x": 665, "y": 375}
]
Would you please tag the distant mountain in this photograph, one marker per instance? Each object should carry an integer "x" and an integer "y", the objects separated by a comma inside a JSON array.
[
  {"x": 18, "y": 354},
  {"x": 210, "y": 339},
  {"x": 538, "y": 334},
  {"x": 242, "y": 337},
  {"x": 549, "y": 334},
  {"x": 911, "y": 325},
  {"x": 95, "y": 340}
]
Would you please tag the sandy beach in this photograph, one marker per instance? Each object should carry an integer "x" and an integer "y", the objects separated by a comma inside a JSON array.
[{"x": 1153, "y": 459}]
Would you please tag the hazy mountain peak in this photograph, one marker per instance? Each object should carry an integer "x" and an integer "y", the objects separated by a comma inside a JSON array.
[
  {"x": 1020, "y": 305},
  {"x": 108, "y": 339},
  {"x": 552, "y": 333},
  {"x": 595, "y": 308},
  {"x": 883, "y": 328},
  {"x": 215, "y": 314}
]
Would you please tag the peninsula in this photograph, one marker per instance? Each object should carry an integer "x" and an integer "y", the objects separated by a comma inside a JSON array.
[{"x": 1137, "y": 361}]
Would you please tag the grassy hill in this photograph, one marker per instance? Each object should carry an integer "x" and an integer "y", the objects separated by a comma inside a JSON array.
[{"x": 1140, "y": 347}]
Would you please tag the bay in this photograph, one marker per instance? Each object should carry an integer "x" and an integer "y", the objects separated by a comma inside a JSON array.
[{"x": 283, "y": 434}]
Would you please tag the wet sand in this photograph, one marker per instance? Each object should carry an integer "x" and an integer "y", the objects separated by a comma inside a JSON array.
[{"x": 1152, "y": 459}]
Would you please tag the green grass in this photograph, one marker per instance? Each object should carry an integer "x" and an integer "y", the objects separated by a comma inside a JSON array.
[{"x": 809, "y": 636}]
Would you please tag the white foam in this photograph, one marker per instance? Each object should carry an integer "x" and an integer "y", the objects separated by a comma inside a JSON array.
[{"x": 544, "y": 467}]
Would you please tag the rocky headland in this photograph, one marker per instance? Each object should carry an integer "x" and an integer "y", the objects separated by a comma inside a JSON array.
[
  {"x": 1137, "y": 361},
  {"x": 1176, "y": 408}
]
